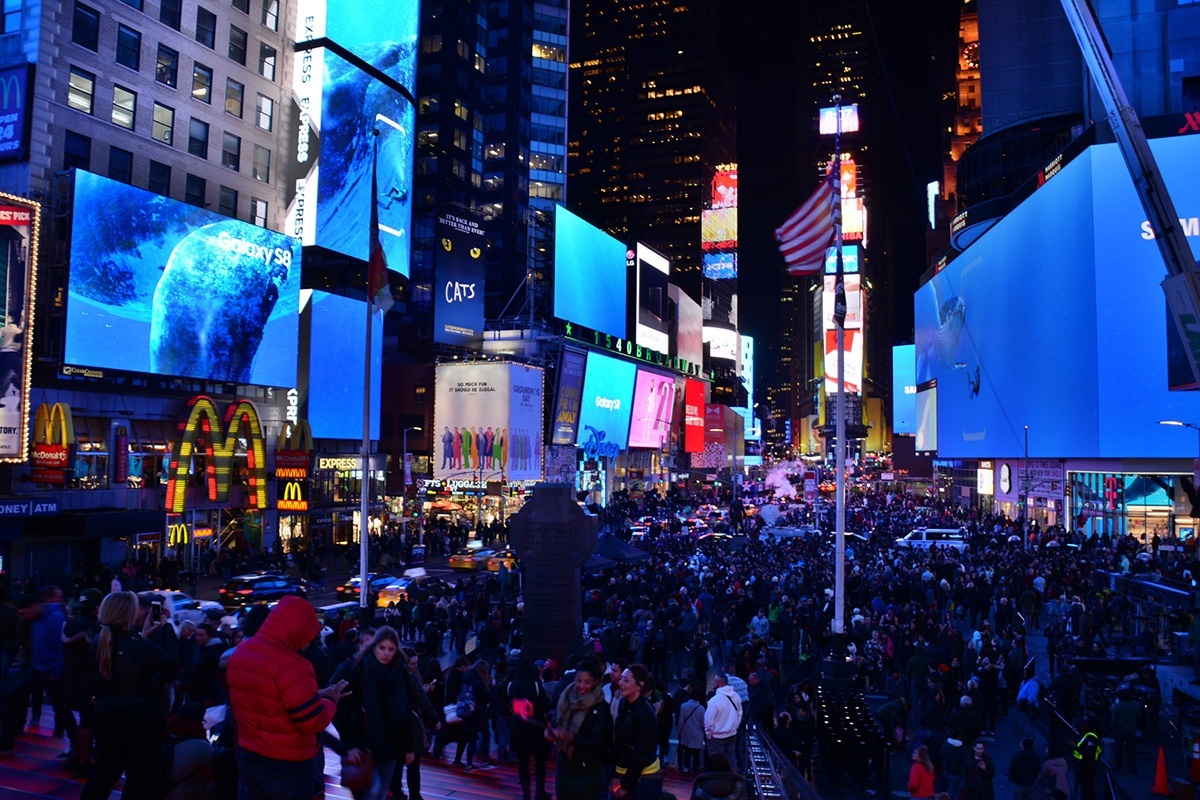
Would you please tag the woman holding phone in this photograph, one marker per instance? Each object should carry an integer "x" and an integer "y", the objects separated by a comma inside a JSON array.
[{"x": 130, "y": 718}]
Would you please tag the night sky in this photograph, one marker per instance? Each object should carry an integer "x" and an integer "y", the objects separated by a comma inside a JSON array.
[{"x": 774, "y": 178}]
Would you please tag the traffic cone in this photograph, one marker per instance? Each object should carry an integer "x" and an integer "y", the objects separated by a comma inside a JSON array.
[{"x": 1161, "y": 786}]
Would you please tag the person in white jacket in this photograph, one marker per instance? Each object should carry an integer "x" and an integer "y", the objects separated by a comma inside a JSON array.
[{"x": 721, "y": 720}]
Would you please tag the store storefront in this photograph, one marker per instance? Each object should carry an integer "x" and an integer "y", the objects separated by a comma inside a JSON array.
[
  {"x": 1140, "y": 505},
  {"x": 1041, "y": 480},
  {"x": 335, "y": 499}
]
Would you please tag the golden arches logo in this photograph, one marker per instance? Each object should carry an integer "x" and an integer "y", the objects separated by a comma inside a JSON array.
[
  {"x": 54, "y": 424},
  {"x": 178, "y": 534},
  {"x": 296, "y": 436},
  {"x": 220, "y": 446},
  {"x": 12, "y": 92}
]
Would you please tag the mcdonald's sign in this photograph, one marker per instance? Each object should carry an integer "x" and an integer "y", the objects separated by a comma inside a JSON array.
[
  {"x": 220, "y": 444},
  {"x": 293, "y": 454},
  {"x": 53, "y": 437},
  {"x": 178, "y": 534},
  {"x": 293, "y": 495},
  {"x": 14, "y": 90}
]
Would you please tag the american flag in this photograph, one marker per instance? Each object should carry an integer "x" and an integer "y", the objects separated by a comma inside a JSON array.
[{"x": 808, "y": 232}]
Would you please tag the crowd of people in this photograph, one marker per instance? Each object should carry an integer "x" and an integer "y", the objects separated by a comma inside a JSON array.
[{"x": 685, "y": 651}]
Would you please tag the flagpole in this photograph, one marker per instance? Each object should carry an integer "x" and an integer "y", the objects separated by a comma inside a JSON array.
[
  {"x": 839, "y": 316},
  {"x": 365, "y": 485}
]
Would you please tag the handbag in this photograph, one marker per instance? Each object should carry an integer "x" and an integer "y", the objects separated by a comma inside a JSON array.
[
  {"x": 357, "y": 777},
  {"x": 451, "y": 714}
]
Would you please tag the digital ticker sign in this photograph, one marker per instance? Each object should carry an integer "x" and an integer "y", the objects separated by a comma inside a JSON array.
[{"x": 139, "y": 264}]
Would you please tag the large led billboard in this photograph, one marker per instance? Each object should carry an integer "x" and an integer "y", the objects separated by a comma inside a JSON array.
[
  {"x": 336, "y": 348},
  {"x": 904, "y": 388},
  {"x": 460, "y": 271},
  {"x": 564, "y": 428},
  {"x": 653, "y": 406},
  {"x": 348, "y": 123},
  {"x": 722, "y": 343},
  {"x": 688, "y": 341},
  {"x": 853, "y": 349},
  {"x": 168, "y": 288},
  {"x": 653, "y": 277},
  {"x": 382, "y": 35},
  {"x": 849, "y": 259},
  {"x": 854, "y": 297},
  {"x": 1054, "y": 319},
  {"x": 590, "y": 275},
  {"x": 607, "y": 405},
  {"x": 693, "y": 416},
  {"x": 746, "y": 369},
  {"x": 488, "y": 422},
  {"x": 19, "y": 224}
]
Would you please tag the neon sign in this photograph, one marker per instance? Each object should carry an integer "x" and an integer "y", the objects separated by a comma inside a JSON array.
[{"x": 220, "y": 445}]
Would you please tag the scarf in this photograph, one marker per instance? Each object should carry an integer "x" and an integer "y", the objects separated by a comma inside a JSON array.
[
  {"x": 573, "y": 709},
  {"x": 385, "y": 707}
]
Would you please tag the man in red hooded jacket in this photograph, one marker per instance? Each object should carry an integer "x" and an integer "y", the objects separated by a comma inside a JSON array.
[{"x": 278, "y": 706}]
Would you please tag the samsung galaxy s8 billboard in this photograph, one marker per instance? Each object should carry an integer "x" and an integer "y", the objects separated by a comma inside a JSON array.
[
  {"x": 1054, "y": 319},
  {"x": 164, "y": 287}
]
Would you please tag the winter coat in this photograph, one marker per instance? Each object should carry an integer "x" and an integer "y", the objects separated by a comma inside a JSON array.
[
  {"x": 273, "y": 690},
  {"x": 691, "y": 724},
  {"x": 720, "y": 786}
]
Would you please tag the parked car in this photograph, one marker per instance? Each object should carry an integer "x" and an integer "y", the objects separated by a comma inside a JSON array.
[
  {"x": 925, "y": 538},
  {"x": 376, "y": 580},
  {"x": 471, "y": 558},
  {"x": 185, "y": 609},
  {"x": 259, "y": 587}
]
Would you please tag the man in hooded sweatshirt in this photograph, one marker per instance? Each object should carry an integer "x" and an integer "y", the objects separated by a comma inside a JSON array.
[
  {"x": 278, "y": 705},
  {"x": 721, "y": 720}
]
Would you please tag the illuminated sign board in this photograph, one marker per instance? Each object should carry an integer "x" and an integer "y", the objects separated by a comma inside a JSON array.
[
  {"x": 904, "y": 388},
  {"x": 292, "y": 495},
  {"x": 460, "y": 274},
  {"x": 849, "y": 259},
  {"x": 693, "y": 417},
  {"x": 722, "y": 343},
  {"x": 653, "y": 273},
  {"x": 382, "y": 35},
  {"x": 718, "y": 228},
  {"x": 854, "y": 298},
  {"x": 688, "y": 341},
  {"x": 19, "y": 230},
  {"x": 139, "y": 264},
  {"x": 220, "y": 442},
  {"x": 336, "y": 354},
  {"x": 720, "y": 266},
  {"x": 14, "y": 112},
  {"x": 590, "y": 275},
  {"x": 752, "y": 426},
  {"x": 347, "y": 124},
  {"x": 627, "y": 348},
  {"x": 854, "y": 219},
  {"x": 565, "y": 427},
  {"x": 607, "y": 405},
  {"x": 53, "y": 438},
  {"x": 828, "y": 119},
  {"x": 489, "y": 421},
  {"x": 653, "y": 406},
  {"x": 854, "y": 361}
]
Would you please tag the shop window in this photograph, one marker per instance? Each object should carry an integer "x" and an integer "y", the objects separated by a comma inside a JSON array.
[
  {"x": 149, "y": 453},
  {"x": 91, "y": 454}
]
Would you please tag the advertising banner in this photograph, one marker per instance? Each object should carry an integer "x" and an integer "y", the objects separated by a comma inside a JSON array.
[
  {"x": 688, "y": 342},
  {"x": 489, "y": 419},
  {"x": 561, "y": 464},
  {"x": 722, "y": 343},
  {"x": 653, "y": 402},
  {"x": 693, "y": 416},
  {"x": 607, "y": 406},
  {"x": 590, "y": 275},
  {"x": 458, "y": 264},
  {"x": 19, "y": 221},
  {"x": 854, "y": 362},
  {"x": 854, "y": 298},
  {"x": 713, "y": 454},
  {"x": 653, "y": 275},
  {"x": 14, "y": 116},
  {"x": 383, "y": 35},
  {"x": 904, "y": 388},
  {"x": 565, "y": 429},
  {"x": 346, "y": 123},
  {"x": 140, "y": 264},
  {"x": 336, "y": 349}
]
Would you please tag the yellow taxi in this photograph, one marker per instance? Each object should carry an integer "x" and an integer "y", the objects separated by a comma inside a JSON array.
[
  {"x": 471, "y": 559},
  {"x": 506, "y": 557}
]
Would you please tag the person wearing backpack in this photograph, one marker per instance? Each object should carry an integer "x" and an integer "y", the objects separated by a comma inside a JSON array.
[
  {"x": 471, "y": 707},
  {"x": 530, "y": 706},
  {"x": 185, "y": 766}
]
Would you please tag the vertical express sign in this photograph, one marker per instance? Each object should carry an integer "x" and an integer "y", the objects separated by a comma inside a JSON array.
[
  {"x": 570, "y": 395},
  {"x": 458, "y": 300}
]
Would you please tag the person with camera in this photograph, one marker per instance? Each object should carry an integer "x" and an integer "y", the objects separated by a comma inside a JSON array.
[{"x": 130, "y": 717}]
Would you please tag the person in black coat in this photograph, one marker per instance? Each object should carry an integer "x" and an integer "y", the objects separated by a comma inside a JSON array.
[
  {"x": 582, "y": 734},
  {"x": 130, "y": 717},
  {"x": 530, "y": 707},
  {"x": 638, "y": 772}
]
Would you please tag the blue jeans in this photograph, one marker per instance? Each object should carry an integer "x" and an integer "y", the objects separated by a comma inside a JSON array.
[
  {"x": 261, "y": 778},
  {"x": 382, "y": 780}
]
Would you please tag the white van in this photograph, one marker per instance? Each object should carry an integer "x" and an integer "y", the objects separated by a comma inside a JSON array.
[{"x": 929, "y": 537}]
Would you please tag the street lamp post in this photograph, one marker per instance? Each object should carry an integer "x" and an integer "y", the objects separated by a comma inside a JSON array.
[
  {"x": 404, "y": 470},
  {"x": 1196, "y": 464}
]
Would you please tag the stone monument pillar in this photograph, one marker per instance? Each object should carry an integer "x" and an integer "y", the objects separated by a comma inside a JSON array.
[{"x": 552, "y": 536}]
